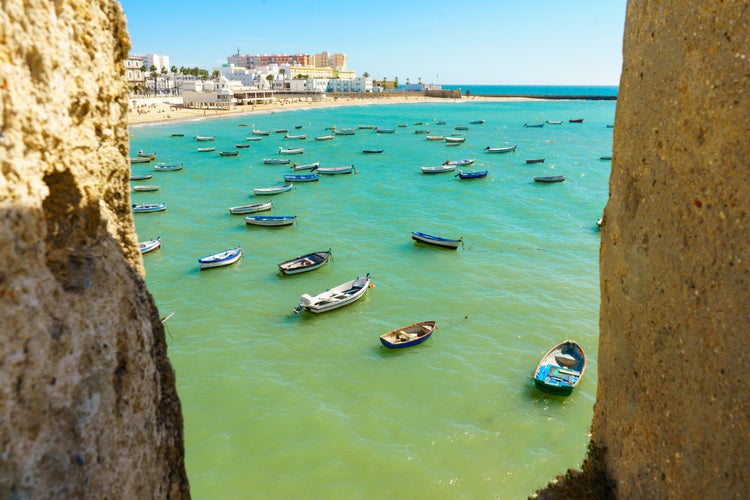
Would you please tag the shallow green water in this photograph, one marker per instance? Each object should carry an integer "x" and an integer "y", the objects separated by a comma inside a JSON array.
[{"x": 279, "y": 405}]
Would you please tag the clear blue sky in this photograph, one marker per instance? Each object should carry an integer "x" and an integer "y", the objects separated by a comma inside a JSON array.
[{"x": 500, "y": 42}]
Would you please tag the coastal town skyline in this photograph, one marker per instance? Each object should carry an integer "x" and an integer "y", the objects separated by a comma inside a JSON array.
[{"x": 486, "y": 43}]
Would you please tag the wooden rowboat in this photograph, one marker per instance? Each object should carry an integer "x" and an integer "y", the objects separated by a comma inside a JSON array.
[
  {"x": 150, "y": 245},
  {"x": 148, "y": 207},
  {"x": 340, "y": 296},
  {"x": 307, "y": 262},
  {"x": 270, "y": 220},
  {"x": 274, "y": 189},
  {"x": 437, "y": 241},
  {"x": 561, "y": 368},
  {"x": 146, "y": 187},
  {"x": 408, "y": 336},
  {"x": 478, "y": 174},
  {"x": 507, "y": 149},
  {"x": 549, "y": 178},
  {"x": 253, "y": 207},
  {"x": 221, "y": 259}
]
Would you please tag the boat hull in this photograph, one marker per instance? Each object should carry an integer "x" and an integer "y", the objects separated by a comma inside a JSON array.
[
  {"x": 436, "y": 240},
  {"x": 270, "y": 220},
  {"x": 335, "y": 298},
  {"x": 304, "y": 263},
  {"x": 248, "y": 209},
  {"x": 221, "y": 259},
  {"x": 560, "y": 369},
  {"x": 408, "y": 336}
]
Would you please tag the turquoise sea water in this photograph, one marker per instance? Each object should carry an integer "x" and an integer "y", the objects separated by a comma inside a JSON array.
[
  {"x": 537, "y": 90},
  {"x": 284, "y": 405}
]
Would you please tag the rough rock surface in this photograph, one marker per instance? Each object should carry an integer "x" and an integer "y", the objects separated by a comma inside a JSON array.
[
  {"x": 87, "y": 394},
  {"x": 672, "y": 409},
  {"x": 672, "y": 414}
]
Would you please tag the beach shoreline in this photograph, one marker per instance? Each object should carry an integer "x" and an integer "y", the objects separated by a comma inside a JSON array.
[{"x": 162, "y": 113}]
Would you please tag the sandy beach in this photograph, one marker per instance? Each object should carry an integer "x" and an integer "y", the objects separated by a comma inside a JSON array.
[{"x": 148, "y": 112}]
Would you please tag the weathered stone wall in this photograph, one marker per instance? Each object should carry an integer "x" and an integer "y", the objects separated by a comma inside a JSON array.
[
  {"x": 87, "y": 396},
  {"x": 672, "y": 415}
]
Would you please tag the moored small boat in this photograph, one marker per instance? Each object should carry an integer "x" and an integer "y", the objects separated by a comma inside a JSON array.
[
  {"x": 422, "y": 131},
  {"x": 141, "y": 177},
  {"x": 150, "y": 245},
  {"x": 148, "y": 207},
  {"x": 408, "y": 336},
  {"x": 178, "y": 134},
  {"x": 436, "y": 240},
  {"x": 533, "y": 125},
  {"x": 438, "y": 169},
  {"x": 207, "y": 149},
  {"x": 253, "y": 207},
  {"x": 340, "y": 296},
  {"x": 274, "y": 189},
  {"x": 300, "y": 137},
  {"x": 561, "y": 368},
  {"x": 324, "y": 138},
  {"x": 146, "y": 187},
  {"x": 549, "y": 178},
  {"x": 506, "y": 149},
  {"x": 476, "y": 122},
  {"x": 344, "y": 131},
  {"x": 303, "y": 263},
  {"x": 221, "y": 258},
  {"x": 139, "y": 159},
  {"x": 261, "y": 133},
  {"x": 605, "y": 157},
  {"x": 150, "y": 156},
  {"x": 576, "y": 120},
  {"x": 454, "y": 140},
  {"x": 372, "y": 151},
  {"x": 337, "y": 170},
  {"x": 535, "y": 160},
  {"x": 270, "y": 220},
  {"x": 301, "y": 177},
  {"x": 461, "y": 127},
  {"x": 435, "y": 137},
  {"x": 307, "y": 166},
  {"x": 242, "y": 146},
  {"x": 460, "y": 163},
  {"x": 477, "y": 174},
  {"x": 554, "y": 122},
  {"x": 163, "y": 167},
  {"x": 253, "y": 139},
  {"x": 276, "y": 161},
  {"x": 385, "y": 130},
  {"x": 205, "y": 138},
  {"x": 291, "y": 151},
  {"x": 229, "y": 153}
]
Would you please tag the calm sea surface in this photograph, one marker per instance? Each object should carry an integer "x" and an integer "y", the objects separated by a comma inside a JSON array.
[
  {"x": 537, "y": 90},
  {"x": 284, "y": 405}
]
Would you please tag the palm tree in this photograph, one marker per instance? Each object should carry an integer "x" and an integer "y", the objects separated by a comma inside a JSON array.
[
  {"x": 152, "y": 72},
  {"x": 283, "y": 72},
  {"x": 269, "y": 78},
  {"x": 216, "y": 74},
  {"x": 366, "y": 74}
]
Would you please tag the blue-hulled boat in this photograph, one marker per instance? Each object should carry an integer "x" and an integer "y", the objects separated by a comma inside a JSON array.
[
  {"x": 561, "y": 369},
  {"x": 148, "y": 207},
  {"x": 270, "y": 220},
  {"x": 221, "y": 258},
  {"x": 301, "y": 177},
  {"x": 436, "y": 240},
  {"x": 409, "y": 335},
  {"x": 307, "y": 262},
  {"x": 477, "y": 174}
]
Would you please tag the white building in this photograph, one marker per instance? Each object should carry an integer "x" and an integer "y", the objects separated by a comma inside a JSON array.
[{"x": 158, "y": 61}]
